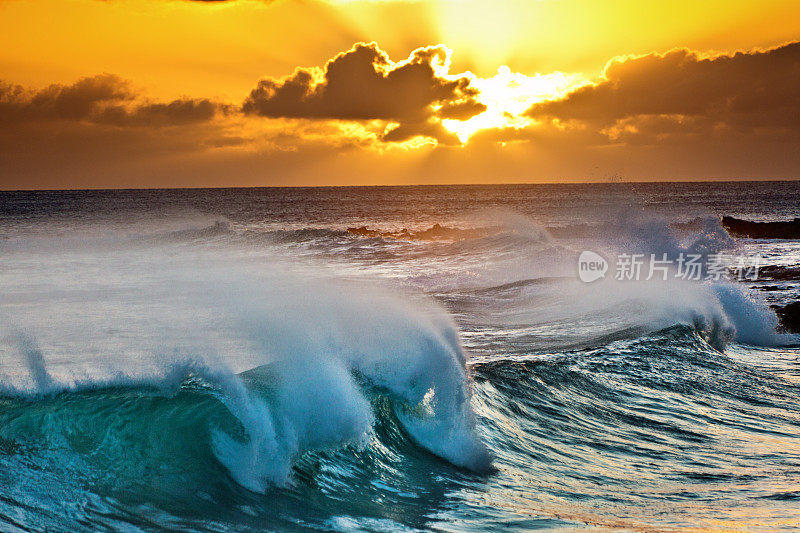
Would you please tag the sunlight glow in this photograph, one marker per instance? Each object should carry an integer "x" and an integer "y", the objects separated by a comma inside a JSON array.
[{"x": 507, "y": 95}]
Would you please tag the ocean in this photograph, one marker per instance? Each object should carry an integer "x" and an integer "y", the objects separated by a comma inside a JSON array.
[{"x": 399, "y": 359}]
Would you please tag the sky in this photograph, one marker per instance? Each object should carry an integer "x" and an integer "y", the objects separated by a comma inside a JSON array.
[{"x": 192, "y": 93}]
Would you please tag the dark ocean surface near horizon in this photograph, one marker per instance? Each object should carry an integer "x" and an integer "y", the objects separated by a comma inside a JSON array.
[{"x": 397, "y": 359}]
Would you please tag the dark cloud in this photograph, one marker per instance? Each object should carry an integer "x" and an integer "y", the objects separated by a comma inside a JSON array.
[
  {"x": 101, "y": 99},
  {"x": 658, "y": 96},
  {"x": 98, "y": 130},
  {"x": 430, "y": 128},
  {"x": 364, "y": 84},
  {"x": 407, "y": 99},
  {"x": 176, "y": 112},
  {"x": 461, "y": 110},
  {"x": 78, "y": 101}
]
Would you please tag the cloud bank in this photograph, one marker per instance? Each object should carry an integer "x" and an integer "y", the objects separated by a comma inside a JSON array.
[
  {"x": 101, "y": 99},
  {"x": 364, "y": 84},
  {"x": 363, "y": 118},
  {"x": 683, "y": 94}
]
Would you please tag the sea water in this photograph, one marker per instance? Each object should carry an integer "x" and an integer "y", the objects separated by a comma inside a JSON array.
[{"x": 393, "y": 359}]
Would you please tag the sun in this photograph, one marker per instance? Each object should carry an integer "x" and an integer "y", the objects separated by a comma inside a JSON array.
[{"x": 507, "y": 95}]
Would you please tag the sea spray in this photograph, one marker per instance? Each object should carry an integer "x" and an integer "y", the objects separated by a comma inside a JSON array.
[
  {"x": 536, "y": 286},
  {"x": 318, "y": 348},
  {"x": 317, "y": 340}
]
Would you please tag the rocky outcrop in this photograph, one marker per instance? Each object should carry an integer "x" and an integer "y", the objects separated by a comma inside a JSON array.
[{"x": 762, "y": 230}]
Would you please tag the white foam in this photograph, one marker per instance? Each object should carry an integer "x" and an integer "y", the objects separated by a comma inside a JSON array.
[{"x": 136, "y": 316}]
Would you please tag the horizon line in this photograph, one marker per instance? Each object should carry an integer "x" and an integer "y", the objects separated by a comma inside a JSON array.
[{"x": 397, "y": 185}]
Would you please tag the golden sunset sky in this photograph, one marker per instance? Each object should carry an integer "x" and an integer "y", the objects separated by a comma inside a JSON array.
[{"x": 182, "y": 93}]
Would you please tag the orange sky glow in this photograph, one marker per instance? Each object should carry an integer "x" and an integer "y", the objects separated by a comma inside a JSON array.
[{"x": 187, "y": 93}]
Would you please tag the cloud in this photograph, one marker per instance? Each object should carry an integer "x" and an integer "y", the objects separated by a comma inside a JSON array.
[
  {"x": 364, "y": 84},
  {"x": 102, "y": 128},
  {"x": 677, "y": 115},
  {"x": 431, "y": 129},
  {"x": 101, "y": 99},
  {"x": 657, "y": 97}
]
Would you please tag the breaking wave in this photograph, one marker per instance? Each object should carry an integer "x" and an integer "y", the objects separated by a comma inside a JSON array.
[{"x": 322, "y": 363}]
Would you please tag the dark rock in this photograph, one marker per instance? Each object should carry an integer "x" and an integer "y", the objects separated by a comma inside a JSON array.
[
  {"x": 762, "y": 230},
  {"x": 779, "y": 273},
  {"x": 790, "y": 316},
  {"x": 363, "y": 231}
]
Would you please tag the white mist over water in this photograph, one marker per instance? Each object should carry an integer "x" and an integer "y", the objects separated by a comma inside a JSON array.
[
  {"x": 140, "y": 314},
  {"x": 525, "y": 282}
]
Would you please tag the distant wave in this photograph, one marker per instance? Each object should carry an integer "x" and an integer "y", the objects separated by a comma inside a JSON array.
[
  {"x": 218, "y": 227},
  {"x": 711, "y": 234},
  {"x": 702, "y": 225},
  {"x": 434, "y": 233},
  {"x": 300, "y": 235}
]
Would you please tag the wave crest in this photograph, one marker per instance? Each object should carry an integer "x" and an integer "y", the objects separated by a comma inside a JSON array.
[{"x": 320, "y": 361}]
